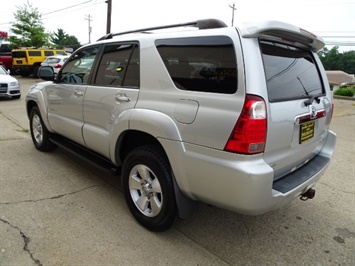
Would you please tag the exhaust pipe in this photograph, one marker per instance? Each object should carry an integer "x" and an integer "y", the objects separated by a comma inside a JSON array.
[{"x": 309, "y": 194}]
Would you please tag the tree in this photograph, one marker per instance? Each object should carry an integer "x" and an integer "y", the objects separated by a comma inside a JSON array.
[
  {"x": 62, "y": 40},
  {"x": 28, "y": 30},
  {"x": 334, "y": 60}
]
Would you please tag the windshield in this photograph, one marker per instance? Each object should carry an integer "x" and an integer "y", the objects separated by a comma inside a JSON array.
[
  {"x": 291, "y": 73},
  {"x": 2, "y": 71}
]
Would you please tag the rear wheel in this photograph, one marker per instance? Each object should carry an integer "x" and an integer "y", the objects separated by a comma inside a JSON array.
[
  {"x": 35, "y": 71},
  {"x": 148, "y": 188},
  {"x": 39, "y": 132}
]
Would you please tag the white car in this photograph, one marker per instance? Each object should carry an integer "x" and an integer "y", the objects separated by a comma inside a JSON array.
[
  {"x": 9, "y": 86},
  {"x": 56, "y": 62}
]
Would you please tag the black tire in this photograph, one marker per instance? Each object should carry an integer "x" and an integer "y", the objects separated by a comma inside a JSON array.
[
  {"x": 24, "y": 74},
  {"x": 148, "y": 188},
  {"x": 16, "y": 97},
  {"x": 35, "y": 71},
  {"x": 39, "y": 132}
]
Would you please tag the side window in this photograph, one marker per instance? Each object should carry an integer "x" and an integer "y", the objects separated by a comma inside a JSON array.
[
  {"x": 119, "y": 66},
  {"x": 48, "y": 53},
  {"x": 34, "y": 53},
  {"x": 79, "y": 68},
  {"x": 205, "y": 64}
]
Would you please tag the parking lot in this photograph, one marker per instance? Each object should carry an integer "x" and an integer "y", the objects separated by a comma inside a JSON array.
[{"x": 56, "y": 210}]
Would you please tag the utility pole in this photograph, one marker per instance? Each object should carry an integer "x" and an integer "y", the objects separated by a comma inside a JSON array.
[
  {"x": 89, "y": 19},
  {"x": 109, "y": 10},
  {"x": 233, "y": 9}
]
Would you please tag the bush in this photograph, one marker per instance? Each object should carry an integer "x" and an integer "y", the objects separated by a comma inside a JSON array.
[{"x": 349, "y": 91}]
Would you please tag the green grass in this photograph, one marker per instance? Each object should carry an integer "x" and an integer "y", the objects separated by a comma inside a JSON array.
[{"x": 349, "y": 91}]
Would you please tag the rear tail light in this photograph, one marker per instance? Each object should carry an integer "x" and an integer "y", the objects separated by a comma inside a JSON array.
[
  {"x": 58, "y": 66},
  {"x": 249, "y": 133}
]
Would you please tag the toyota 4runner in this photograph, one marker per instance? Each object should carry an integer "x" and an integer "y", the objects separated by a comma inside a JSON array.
[{"x": 235, "y": 117}]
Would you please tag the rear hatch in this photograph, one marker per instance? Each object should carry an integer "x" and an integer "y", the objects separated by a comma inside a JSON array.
[
  {"x": 299, "y": 102},
  {"x": 19, "y": 58}
]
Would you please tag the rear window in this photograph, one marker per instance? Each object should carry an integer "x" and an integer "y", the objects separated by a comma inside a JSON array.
[
  {"x": 205, "y": 64},
  {"x": 291, "y": 73},
  {"x": 18, "y": 54},
  {"x": 52, "y": 60}
]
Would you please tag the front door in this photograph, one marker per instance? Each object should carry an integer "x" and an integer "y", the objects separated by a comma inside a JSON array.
[{"x": 65, "y": 97}]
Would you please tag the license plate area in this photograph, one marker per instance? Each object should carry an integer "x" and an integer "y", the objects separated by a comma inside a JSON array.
[{"x": 306, "y": 132}]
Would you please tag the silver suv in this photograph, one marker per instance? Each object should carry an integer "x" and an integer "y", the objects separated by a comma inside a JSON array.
[{"x": 196, "y": 112}]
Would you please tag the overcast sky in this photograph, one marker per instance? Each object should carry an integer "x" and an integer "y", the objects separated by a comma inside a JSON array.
[{"x": 334, "y": 20}]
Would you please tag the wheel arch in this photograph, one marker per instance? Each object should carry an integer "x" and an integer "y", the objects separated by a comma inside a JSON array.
[
  {"x": 132, "y": 139},
  {"x": 32, "y": 102}
]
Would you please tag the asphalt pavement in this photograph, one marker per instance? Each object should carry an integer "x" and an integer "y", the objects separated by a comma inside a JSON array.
[{"x": 56, "y": 210}]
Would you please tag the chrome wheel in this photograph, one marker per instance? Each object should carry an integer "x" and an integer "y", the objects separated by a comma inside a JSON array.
[
  {"x": 39, "y": 132},
  {"x": 145, "y": 190},
  {"x": 37, "y": 129}
]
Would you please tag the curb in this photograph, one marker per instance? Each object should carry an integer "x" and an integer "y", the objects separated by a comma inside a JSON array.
[{"x": 344, "y": 98}]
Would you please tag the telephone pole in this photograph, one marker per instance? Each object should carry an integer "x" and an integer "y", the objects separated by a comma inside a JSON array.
[
  {"x": 89, "y": 19},
  {"x": 109, "y": 10},
  {"x": 233, "y": 9}
]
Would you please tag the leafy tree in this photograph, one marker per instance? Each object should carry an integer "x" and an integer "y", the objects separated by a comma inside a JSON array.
[
  {"x": 334, "y": 60},
  {"x": 61, "y": 40},
  {"x": 28, "y": 29}
]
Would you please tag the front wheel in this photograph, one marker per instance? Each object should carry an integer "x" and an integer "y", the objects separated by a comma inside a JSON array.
[
  {"x": 39, "y": 132},
  {"x": 148, "y": 188}
]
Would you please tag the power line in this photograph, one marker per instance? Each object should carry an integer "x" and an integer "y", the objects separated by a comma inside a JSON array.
[{"x": 65, "y": 8}]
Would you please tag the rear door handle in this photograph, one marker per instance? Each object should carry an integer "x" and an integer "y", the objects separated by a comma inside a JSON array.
[
  {"x": 121, "y": 97},
  {"x": 78, "y": 93}
]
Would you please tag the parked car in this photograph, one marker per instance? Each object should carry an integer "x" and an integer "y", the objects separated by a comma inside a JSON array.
[
  {"x": 26, "y": 61},
  {"x": 56, "y": 62},
  {"x": 235, "y": 117},
  {"x": 9, "y": 86}
]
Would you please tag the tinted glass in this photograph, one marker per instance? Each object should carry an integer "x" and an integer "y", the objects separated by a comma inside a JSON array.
[
  {"x": 18, "y": 54},
  {"x": 78, "y": 69},
  {"x": 119, "y": 66},
  {"x": 48, "y": 53},
  {"x": 206, "y": 64},
  {"x": 291, "y": 73},
  {"x": 34, "y": 53}
]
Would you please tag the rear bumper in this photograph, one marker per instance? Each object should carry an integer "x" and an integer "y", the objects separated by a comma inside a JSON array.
[{"x": 244, "y": 184}]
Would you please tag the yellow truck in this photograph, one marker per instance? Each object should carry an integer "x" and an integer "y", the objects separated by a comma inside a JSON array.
[{"x": 26, "y": 61}]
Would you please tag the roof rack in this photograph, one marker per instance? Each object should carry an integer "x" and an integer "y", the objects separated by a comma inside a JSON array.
[{"x": 201, "y": 24}]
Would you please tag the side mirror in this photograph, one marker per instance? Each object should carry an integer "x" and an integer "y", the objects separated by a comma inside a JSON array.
[{"x": 46, "y": 73}]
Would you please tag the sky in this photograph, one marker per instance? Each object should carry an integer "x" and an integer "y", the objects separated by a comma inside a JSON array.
[{"x": 334, "y": 20}]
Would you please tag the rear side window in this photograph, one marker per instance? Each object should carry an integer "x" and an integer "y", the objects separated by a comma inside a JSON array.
[
  {"x": 119, "y": 66},
  {"x": 205, "y": 64},
  {"x": 34, "y": 53},
  {"x": 291, "y": 73}
]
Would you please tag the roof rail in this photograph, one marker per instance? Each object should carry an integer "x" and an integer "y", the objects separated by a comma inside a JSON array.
[{"x": 201, "y": 24}]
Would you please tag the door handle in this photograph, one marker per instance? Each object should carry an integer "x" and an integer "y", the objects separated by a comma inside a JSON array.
[
  {"x": 78, "y": 93},
  {"x": 121, "y": 97}
]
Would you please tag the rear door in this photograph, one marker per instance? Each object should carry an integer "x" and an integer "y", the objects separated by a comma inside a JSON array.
[
  {"x": 299, "y": 106},
  {"x": 113, "y": 90}
]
